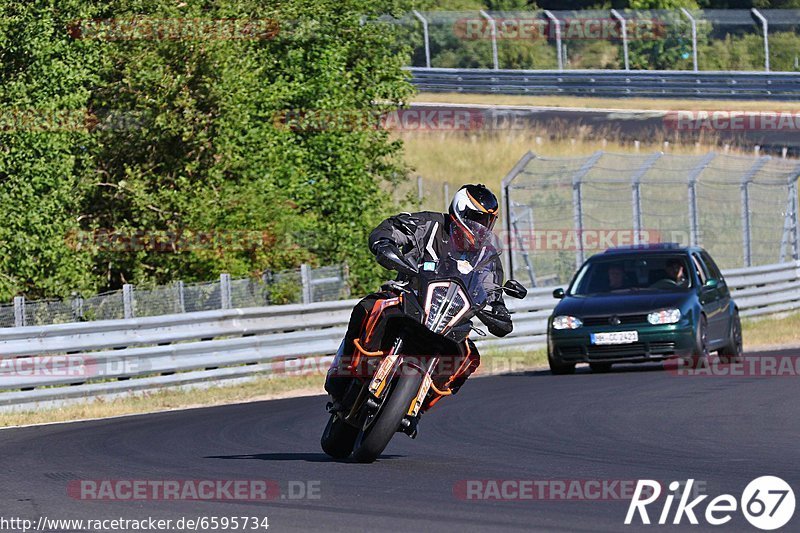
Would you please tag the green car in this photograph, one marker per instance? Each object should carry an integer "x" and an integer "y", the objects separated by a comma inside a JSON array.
[{"x": 642, "y": 304}]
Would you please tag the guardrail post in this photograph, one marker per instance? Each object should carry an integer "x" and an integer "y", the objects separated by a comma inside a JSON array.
[
  {"x": 426, "y": 37},
  {"x": 305, "y": 279},
  {"x": 19, "y": 311},
  {"x": 694, "y": 35},
  {"x": 180, "y": 297},
  {"x": 554, "y": 20},
  {"x": 493, "y": 25},
  {"x": 765, "y": 28},
  {"x": 225, "y": 291},
  {"x": 128, "y": 301},
  {"x": 577, "y": 204},
  {"x": 624, "y": 28}
]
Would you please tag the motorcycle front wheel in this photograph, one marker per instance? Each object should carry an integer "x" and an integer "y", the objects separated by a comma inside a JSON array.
[{"x": 373, "y": 439}]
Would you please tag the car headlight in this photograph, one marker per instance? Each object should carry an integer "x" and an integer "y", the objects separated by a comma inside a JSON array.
[
  {"x": 566, "y": 322},
  {"x": 665, "y": 316}
]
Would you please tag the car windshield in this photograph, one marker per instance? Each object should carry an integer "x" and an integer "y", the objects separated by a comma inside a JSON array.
[{"x": 633, "y": 274}]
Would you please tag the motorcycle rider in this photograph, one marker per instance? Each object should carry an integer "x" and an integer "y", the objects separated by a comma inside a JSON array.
[{"x": 403, "y": 242}]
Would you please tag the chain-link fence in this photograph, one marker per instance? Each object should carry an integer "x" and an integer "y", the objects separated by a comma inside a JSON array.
[
  {"x": 679, "y": 39},
  {"x": 302, "y": 285},
  {"x": 559, "y": 211}
]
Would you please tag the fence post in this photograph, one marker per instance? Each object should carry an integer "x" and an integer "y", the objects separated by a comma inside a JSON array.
[
  {"x": 225, "y": 291},
  {"x": 425, "y": 35},
  {"x": 746, "y": 225},
  {"x": 554, "y": 20},
  {"x": 796, "y": 222},
  {"x": 746, "y": 233},
  {"x": 128, "y": 301},
  {"x": 446, "y": 195},
  {"x": 694, "y": 35},
  {"x": 77, "y": 307},
  {"x": 181, "y": 297},
  {"x": 19, "y": 311},
  {"x": 420, "y": 191},
  {"x": 624, "y": 29},
  {"x": 492, "y": 23},
  {"x": 577, "y": 204},
  {"x": 694, "y": 221},
  {"x": 765, "y": 28},
  {"x": 636, "y": 191},
  {"x": 305, "y": 279},
  {"x": 505, "y": 203}
]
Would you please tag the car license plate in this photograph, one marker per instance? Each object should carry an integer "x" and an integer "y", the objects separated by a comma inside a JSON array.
[{"x": 615, "y": 337}]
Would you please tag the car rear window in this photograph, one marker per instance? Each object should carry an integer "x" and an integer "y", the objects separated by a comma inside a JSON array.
[{"x": 633, "y": 274}]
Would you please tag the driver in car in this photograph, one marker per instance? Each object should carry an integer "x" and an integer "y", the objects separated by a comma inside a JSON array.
[{"x": 676, "y": 272}]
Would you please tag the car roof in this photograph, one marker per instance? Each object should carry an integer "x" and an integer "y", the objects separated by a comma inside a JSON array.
[{"x": 655, "y": 248}]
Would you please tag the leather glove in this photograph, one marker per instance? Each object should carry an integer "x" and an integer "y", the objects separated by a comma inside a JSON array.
[{"x": 389, "y": 256}]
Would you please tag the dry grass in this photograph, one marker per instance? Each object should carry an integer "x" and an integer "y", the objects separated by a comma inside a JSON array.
[
  {"x": 781, "y": 330},
  {"x": 459, "y": 158},
  {"x": 610, "y": 103}
]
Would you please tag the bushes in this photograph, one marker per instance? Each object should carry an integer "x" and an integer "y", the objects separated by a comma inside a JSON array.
[{"x": 200, "y": 147}]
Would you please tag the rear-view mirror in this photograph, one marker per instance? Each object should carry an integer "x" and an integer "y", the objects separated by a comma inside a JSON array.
[{"x": 515, "y": 289}]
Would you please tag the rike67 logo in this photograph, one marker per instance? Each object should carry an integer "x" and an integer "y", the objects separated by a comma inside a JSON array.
[{"x": 767, "y": 503}]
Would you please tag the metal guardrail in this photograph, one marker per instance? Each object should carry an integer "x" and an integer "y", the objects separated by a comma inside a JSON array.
[
  {"x": 610, "y": 83},
  {"x": 115, "y": 357}
]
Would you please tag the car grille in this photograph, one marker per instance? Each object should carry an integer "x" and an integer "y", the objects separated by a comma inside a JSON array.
[
  {"x": 606, "y": 320},
  {"x": 636, "y": 349}
]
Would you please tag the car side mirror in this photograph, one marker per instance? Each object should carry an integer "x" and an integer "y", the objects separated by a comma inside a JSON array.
[
  {"x": 711, "y": 283},
  {"x": 558, "y": 293},
  {"x": 515, "y": 289}
]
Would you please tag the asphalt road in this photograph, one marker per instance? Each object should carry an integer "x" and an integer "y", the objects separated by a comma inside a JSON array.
[{"x": 637, "y": 422}]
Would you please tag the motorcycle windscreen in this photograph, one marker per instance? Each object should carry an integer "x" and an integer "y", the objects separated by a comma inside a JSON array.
[{"x": 446, "y": 302}]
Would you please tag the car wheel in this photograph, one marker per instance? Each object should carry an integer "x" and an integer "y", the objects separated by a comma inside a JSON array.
[
  {"x": 600, "y": 368},
  {"x": 733, "y": 351},
  {"x": 558, "y": 368},
  {"x": 700, "y": 356}
]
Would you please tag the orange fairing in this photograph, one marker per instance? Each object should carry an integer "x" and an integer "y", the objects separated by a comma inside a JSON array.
[
  {"x": 372, "y": 320},
  {"x": 375, "y": 315}
]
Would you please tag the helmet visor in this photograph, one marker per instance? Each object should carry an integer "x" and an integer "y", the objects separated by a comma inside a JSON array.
[{"x": 486, "y": 220}]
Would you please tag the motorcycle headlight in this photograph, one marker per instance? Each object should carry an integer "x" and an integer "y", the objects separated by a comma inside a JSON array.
[
  {"x": 665, "y": 316},
  {"x": 445, "y": 305},
  {"x": 566, "y": 322}
]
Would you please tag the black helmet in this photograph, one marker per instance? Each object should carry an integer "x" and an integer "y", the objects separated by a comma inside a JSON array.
[{"x": 474, "y": 203}]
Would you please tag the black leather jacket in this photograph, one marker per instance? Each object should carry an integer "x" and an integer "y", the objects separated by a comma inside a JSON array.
[{"x": 424, "y": 237}]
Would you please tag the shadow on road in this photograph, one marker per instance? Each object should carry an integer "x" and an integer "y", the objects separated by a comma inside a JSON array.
[{"x": 290, "y": 456}]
